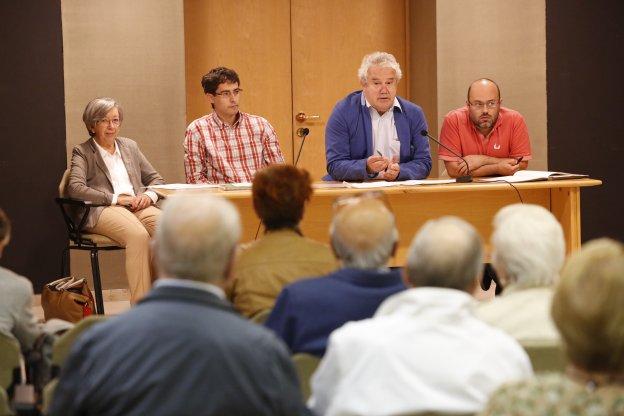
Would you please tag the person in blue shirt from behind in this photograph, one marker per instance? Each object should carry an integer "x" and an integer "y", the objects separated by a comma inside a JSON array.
[{"x": 364, "y": 238}]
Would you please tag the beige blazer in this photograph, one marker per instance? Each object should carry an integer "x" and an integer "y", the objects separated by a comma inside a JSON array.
[
  {"x": 89, "y": 179},
  {"x": 16, "y": 318}
]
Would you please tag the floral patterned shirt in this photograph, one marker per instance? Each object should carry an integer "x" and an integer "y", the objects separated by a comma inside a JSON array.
[{"x": 556, "y": 395}]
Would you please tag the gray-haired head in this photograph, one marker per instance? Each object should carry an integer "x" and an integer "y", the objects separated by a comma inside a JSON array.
[
  {"x": 97, "y": 109},
  {"x": 527, "y": 245},
  {"x": 364, "y": 234},
  {"x": 382, "y": 59},
  {"x": 446, "y": 252},
  {"x": 196, "y": 236}
]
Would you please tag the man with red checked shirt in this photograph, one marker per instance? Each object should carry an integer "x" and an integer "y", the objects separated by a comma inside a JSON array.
[{"x": 227, "y": 145}]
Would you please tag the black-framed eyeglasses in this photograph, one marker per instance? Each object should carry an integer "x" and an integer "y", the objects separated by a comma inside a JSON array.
[
  {"x": 229, "y": 94},
  {"x": 489, "y": 105}
]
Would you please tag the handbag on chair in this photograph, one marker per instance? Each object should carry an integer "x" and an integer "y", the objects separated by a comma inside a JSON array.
[{"x": 68, "y": 298}]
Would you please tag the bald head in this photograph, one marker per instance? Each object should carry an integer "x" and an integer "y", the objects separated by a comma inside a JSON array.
[
  {"x": 483, "y": 89},
  {"x": 364, "y": 234},
  {"x": 196, "y": 236},
  {"x": 446, "y": 252}
]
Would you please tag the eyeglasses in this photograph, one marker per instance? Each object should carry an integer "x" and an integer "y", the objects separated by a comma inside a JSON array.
[
  {"x": 478, "y": 104},
  {"x": 228, "y": 93},
  {"x": 113, "y": 122},
  {"x": 347, "y": 200}
]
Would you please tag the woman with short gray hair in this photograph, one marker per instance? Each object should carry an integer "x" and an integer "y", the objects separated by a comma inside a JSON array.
[
  {"x": 111, "y": 171},
  {"x": 528, "y": 251}
]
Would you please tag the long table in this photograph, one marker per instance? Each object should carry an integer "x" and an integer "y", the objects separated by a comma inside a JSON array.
[{"x": 414, "y": 205}]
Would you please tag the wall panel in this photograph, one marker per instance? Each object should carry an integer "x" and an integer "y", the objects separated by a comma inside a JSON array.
[
  {"x": 423, "y": 66},
  {"x": 33, "y": 136},
  {"x": 585, "y": 60}
]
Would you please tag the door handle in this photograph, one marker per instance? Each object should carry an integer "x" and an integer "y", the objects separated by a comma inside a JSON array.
[{"x": 302, "y": 117}]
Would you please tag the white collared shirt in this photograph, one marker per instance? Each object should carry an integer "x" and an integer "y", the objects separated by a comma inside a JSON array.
[
  {"x": 119, "y": 174},
  {"x": 193, "y": 284},
  {"x": 424, "y": 350},
  {"x": 385, "y": 136}
]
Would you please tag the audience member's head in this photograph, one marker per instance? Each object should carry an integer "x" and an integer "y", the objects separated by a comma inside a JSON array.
[
  {"x": 97, "y": 109},
  {"x": 196, "y": 237},
  {"x": 363, "y": 233},
  {"x": 5, "y": 230},
  {"x": 588, "y": 307},
  {"x": 527, "y": 245},
  {"x": 446, "y": 252},
  {"x": 279, "y": 194}
]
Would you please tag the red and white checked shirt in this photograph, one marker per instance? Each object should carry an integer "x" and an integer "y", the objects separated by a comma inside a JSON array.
[{"x": 215, "y": 152}]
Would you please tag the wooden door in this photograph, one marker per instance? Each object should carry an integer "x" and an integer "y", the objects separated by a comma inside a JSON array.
[{"x": 329, "y": 40}]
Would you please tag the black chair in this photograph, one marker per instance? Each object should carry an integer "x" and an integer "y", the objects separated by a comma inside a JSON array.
[{"x": 79, "y": 240}]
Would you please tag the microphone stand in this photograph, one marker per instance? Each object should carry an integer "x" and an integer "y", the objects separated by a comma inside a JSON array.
[
  {"x": 301, "y": 132},
  {"x": 461, "y": 179}
]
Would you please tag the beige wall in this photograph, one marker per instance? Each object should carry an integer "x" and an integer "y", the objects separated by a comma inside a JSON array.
[
  {"x": 132, "y": 51},
  {"x": 500, "y": 39}
]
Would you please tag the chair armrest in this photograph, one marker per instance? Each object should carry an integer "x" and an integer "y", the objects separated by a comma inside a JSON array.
[
  {"x": 75, "y": 228},
  {"x": 78, "y": 203}
]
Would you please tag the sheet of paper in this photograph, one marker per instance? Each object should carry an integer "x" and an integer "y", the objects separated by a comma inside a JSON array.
[
  {"x": 369, "y": 185},
  {"x": 386, "y": 184},
  {"x": 180, "y": 186},
  {"x": 521, "y": 176},
  {"x": 426, "y": 182}
]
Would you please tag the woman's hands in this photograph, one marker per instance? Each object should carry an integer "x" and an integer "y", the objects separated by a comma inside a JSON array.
[{"x": 134, "y": 203}]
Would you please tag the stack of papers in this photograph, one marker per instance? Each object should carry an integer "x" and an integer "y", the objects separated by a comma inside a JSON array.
[{"x": 533, "y": 175}]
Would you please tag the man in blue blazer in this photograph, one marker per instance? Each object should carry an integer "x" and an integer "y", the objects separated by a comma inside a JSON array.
[
  {"x": 182, "y": 350},
  {"x": 373, "y": 134},
  {"x": 363, "y": 237}
]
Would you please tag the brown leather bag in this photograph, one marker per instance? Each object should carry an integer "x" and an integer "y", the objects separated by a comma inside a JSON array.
[{"x": 68, "y": 298}]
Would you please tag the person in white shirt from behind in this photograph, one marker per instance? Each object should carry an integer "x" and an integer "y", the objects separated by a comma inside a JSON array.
[
  {"x": 423, "y": 350},
  {"x": 528, "y": 251}
]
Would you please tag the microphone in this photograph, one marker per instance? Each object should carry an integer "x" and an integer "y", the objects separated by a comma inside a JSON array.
[
  {"x": 462, "y": 179},
  {"x": 301, "y": 132}
]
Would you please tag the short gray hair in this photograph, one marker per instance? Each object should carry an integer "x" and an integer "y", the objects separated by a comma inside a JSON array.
[
  {"x": 97, "y": 110},
  {"x": 527, "y": 244},
  {"x": 363, "y": 235},
  {"x": 383, "y": 59},
  {"x": 196, "y": 236},
  {"x": 446, "y": 252}
]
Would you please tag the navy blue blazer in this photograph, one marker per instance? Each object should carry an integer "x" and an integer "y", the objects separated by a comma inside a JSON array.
[
  {"x": 180, "y": 351},
  {"x": 307, "y": 311},
  {"x": 349, "y": 140}
]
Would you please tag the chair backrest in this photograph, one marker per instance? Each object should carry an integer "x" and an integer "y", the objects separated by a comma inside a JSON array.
[
  {"x": 5, "y": 408},
  {"x": 63, "y": 183},
  {"x": 431, "y": 413},
  {"x": 545, "y": 356},
  {"x": 9, "y": 359},
  {"x": 305, "y": 364},
  {"x": 261, "y": 317},
  {"x": 63, "y": 344}
]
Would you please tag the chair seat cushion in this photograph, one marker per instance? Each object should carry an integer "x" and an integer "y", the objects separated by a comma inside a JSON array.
[{"x": 101, "y": 240}]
